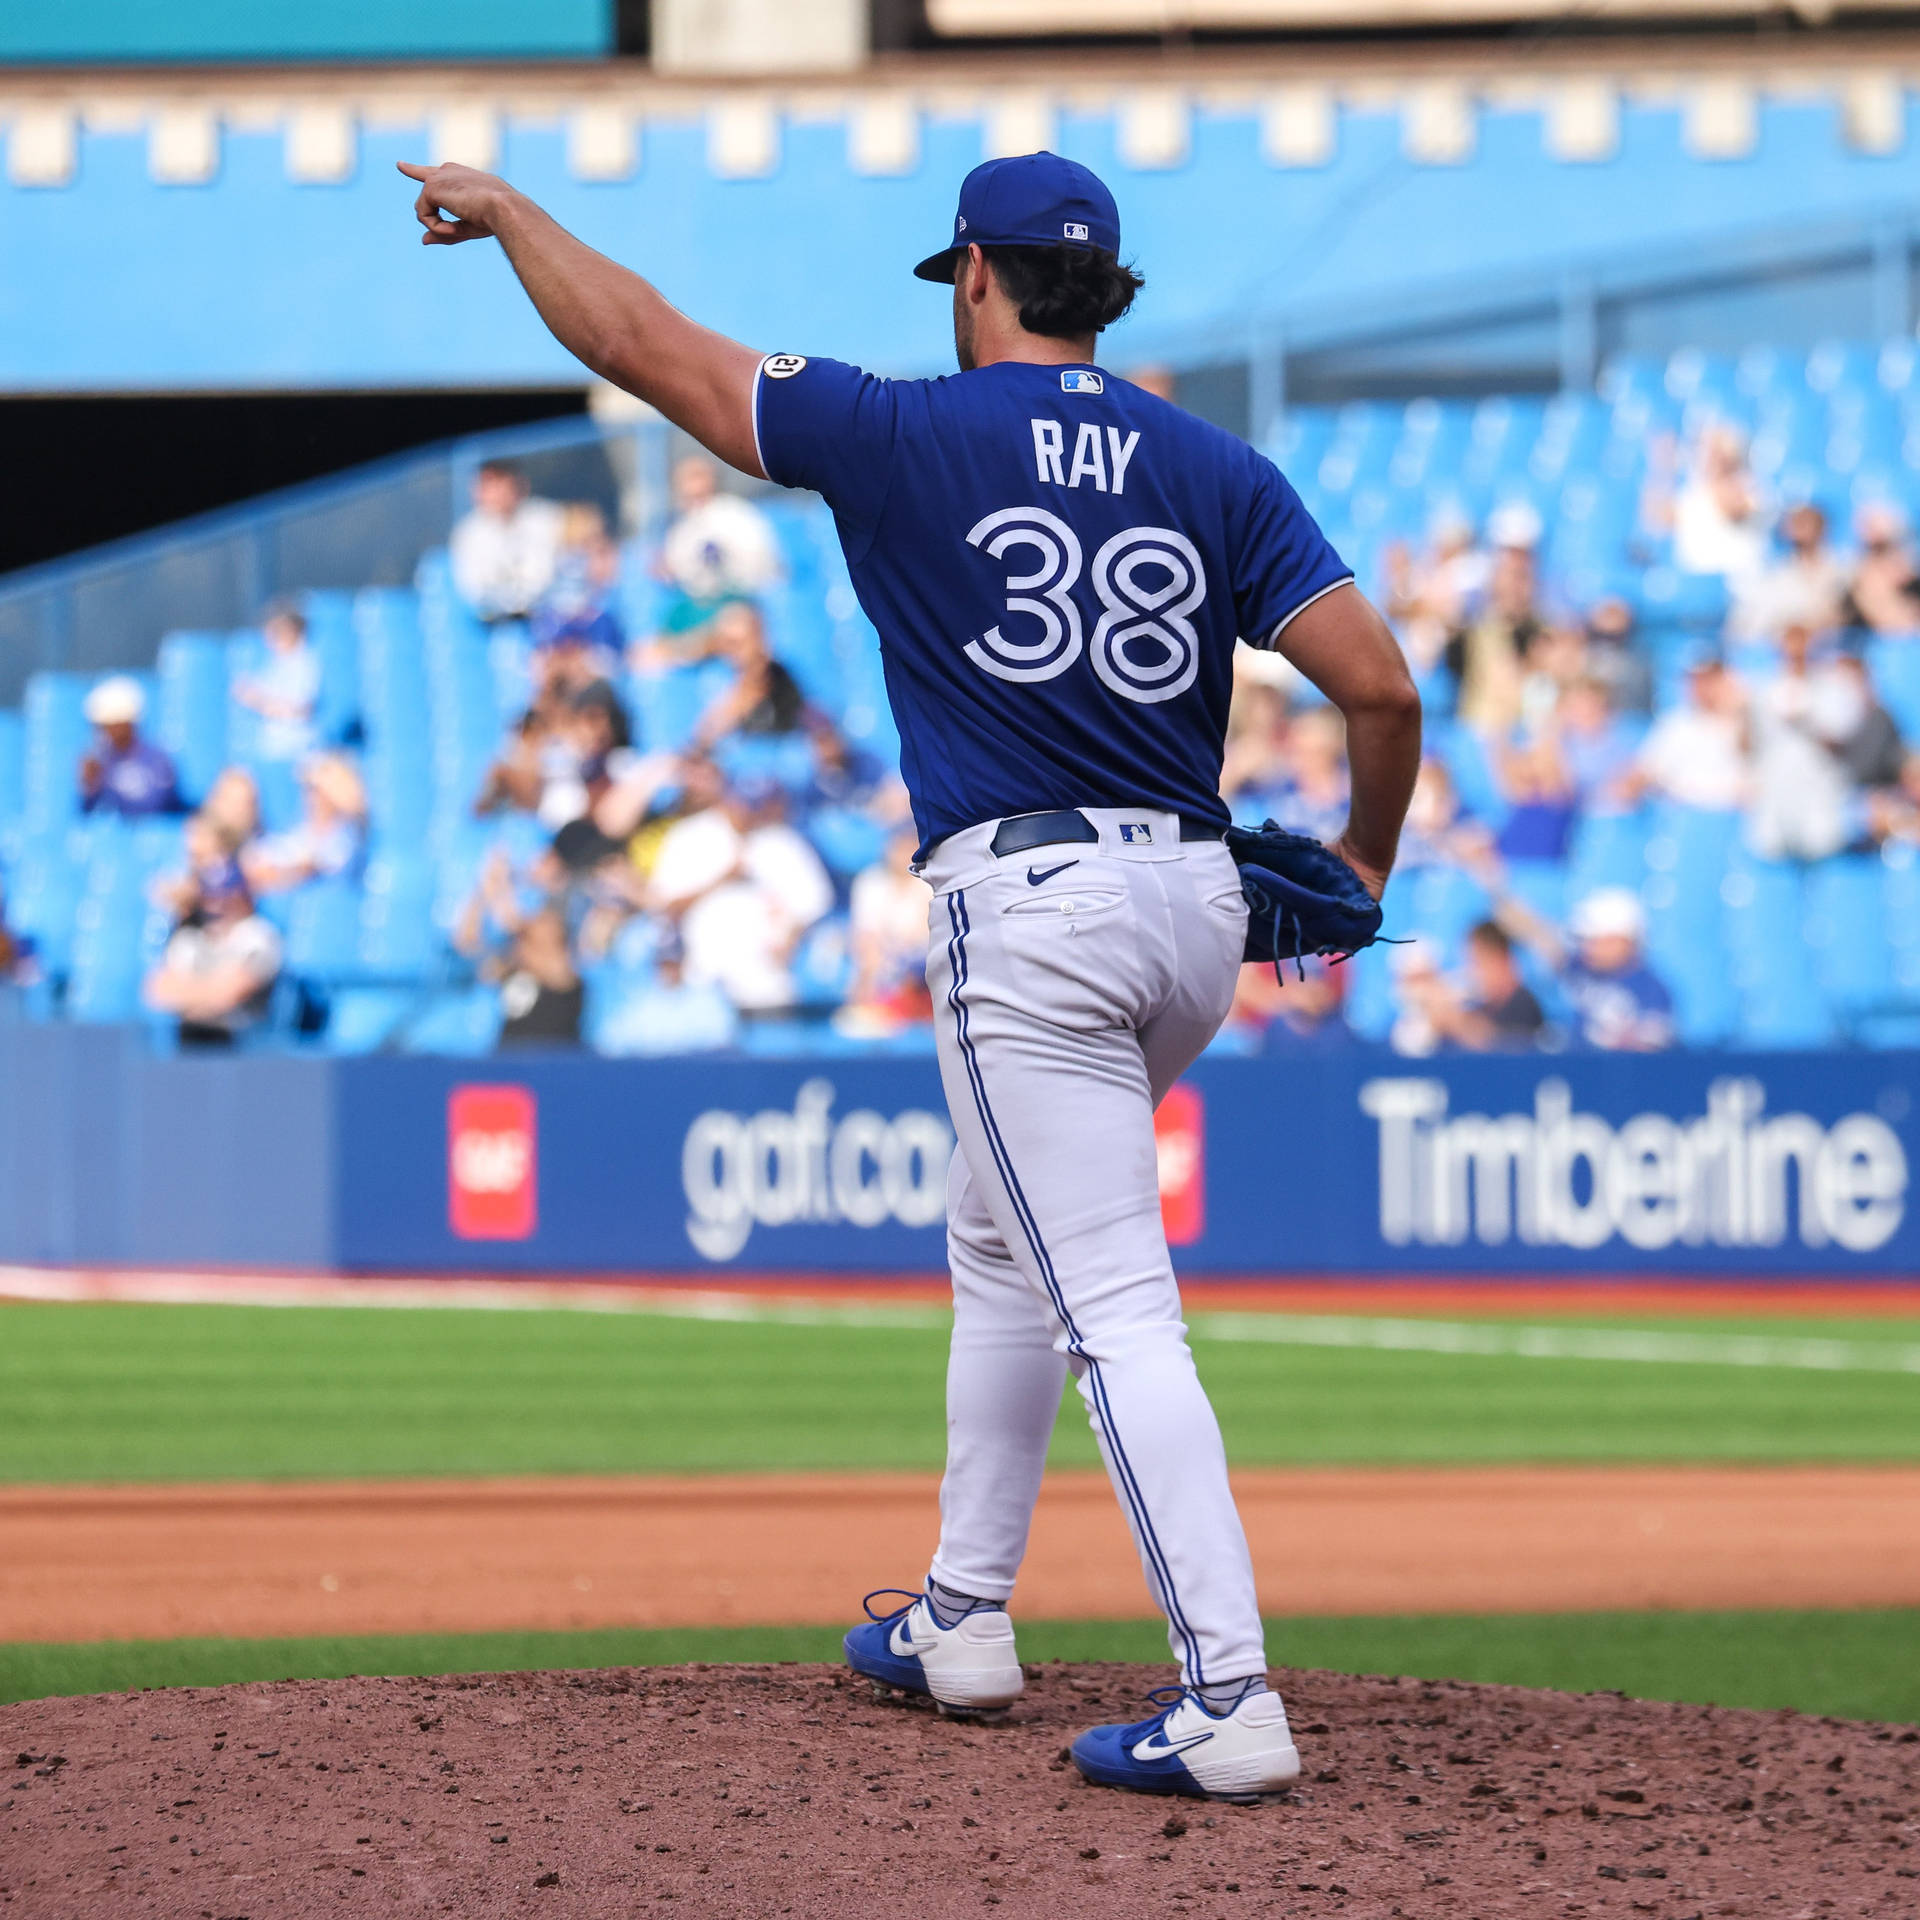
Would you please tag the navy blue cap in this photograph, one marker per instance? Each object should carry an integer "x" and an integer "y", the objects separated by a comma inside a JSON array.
[{"x": 1030, "y": 200}]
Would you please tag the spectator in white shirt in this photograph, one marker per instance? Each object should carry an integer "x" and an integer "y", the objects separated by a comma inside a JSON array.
[
  {"x": 285, "y": 688},
  {"x": 1696, "y": 754},
  {"x": 504, "y": 552},
  {"x": 1806, "y": 587},
  {"x": 1715, "y": 517},
  {"x": 218, "y": 970},
  {"x": 719, "y": 547},
  {"x": 743, "y": 887},
  {"x": 1803, "y": 796}
]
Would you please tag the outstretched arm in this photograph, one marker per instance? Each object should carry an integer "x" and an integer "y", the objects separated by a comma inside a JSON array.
[
  {"x": 1346, "y": 650},
  {"x": 602, "y": 314}
]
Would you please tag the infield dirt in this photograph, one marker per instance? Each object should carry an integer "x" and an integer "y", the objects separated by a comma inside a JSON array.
[
  {"x": 471, "y": 1556},
  {"x": 759, "y": 1791}
]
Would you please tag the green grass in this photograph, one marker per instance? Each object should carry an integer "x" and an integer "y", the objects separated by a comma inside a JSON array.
[
  {"x": 112, "y": 1392},
  {"x": 1857, "y": 1664}
]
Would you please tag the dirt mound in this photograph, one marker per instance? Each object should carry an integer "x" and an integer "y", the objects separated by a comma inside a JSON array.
[{"x": 787, "y": 1790}]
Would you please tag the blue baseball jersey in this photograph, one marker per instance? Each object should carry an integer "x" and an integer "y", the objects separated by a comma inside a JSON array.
[{"x": 1058, "y": 565}]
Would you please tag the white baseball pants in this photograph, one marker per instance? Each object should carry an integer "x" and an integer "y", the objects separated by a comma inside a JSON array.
[{"x": 1072, "y": 985}]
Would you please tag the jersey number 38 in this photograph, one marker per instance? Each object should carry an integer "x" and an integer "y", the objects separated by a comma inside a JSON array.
[{"x": 1144, "y": 646}]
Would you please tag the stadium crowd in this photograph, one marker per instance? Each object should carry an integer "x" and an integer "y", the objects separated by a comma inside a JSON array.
[{"x": 680, "y": 839}]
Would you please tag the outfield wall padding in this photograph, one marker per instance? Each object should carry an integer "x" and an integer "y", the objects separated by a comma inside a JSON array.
[{"x": 1347, "y": 1162}]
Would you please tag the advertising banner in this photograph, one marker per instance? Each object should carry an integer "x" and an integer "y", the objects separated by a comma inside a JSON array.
[
  {"x": 1350, "y": 1163},
  {"x": 1359, "y": 1162}
]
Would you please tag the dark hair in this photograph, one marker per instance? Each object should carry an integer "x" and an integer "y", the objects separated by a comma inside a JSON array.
[
  {"x": 505, "y": 470},
  {"x": 598, "y": 697},
  {"x": 1064, "y": 291},
  {"x": 1490, "y": 933}
]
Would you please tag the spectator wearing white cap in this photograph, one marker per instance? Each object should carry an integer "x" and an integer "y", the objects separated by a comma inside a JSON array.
[
  {"x": 124, "y": 774},
  {"x": 1619, "y": 1004}
]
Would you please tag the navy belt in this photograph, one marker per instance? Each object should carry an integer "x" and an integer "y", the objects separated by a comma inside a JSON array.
[{"x": 1021, "y": 832}]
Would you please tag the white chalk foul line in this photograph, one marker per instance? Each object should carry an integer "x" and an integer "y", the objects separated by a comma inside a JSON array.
[
  {"x": 1357, "y": 1332},
  {"x": 1643, "y": 1345}
]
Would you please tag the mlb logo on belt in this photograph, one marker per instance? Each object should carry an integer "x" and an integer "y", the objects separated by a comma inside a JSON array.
[
  {"x": 1180, "y": 1147},
  {"x": 492, "y": 1163},
  {"x": 1136, "y": 833}
]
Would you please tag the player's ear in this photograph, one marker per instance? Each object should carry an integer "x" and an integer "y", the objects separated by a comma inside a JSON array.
[{"x": 975, "y": 276}]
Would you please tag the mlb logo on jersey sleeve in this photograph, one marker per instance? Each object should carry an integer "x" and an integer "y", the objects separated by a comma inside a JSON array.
[{"x": 1073, "y": 381}]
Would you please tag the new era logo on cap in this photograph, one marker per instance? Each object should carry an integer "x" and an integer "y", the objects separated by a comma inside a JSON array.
[{"x": 1076, "y": 229}]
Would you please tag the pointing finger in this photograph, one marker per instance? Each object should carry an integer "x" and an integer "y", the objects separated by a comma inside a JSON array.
[{"x": 412, "y": 170}]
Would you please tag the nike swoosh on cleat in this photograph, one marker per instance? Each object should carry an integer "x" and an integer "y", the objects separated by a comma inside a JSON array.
[
  {"x": 1149, "y": 1750},
  {"x": 1034, "y": 879}
]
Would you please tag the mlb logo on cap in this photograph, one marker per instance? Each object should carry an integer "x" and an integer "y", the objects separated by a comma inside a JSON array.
[{"x": 1029, "y": 200}]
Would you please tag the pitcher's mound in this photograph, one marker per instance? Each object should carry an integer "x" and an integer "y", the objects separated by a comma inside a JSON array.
[{"x": 749, "y": 1791}]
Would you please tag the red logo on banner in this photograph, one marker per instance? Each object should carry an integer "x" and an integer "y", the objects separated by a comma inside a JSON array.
[
  {"x": 492, "y": 1167},
  {"x": 1180, "y": 1143}
]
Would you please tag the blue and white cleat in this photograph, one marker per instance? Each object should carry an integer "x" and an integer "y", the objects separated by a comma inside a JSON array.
[
  {"x": 1242, "y": 1755},
  {"x": 970, "y": 1668}
]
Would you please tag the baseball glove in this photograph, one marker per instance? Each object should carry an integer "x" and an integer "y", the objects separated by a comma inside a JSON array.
[{"x": 1302, "y": 897}]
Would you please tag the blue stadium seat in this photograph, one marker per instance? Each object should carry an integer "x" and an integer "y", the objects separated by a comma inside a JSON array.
[
  {"x": 190, "y": 713},
  {"x": 1540, "y": 885},
  {"x": 13, "y": 766},
  {"x": 109, "y": 957},
  {"x": 397, "y": 935},
  {"x": 786, "y": 758},
  {"x": 364, "y": 1019},
  {"x": 1846, "y": 927},
  {"x": 823, "y": 966},
  {"x": 57, "y": 735},
  {"x": 846, "y": 840},
  {"x": 393, "y": 669},
  {"x": 323, "y": 929},
  {"x": 1692, "y": 600},
  {"x": 464, "y": 1022},
  {"x": 669, "y": 704},
  {"x": 1440, "y": 902},
  {"x": 1781, "y": 1000},
  {"x": 1368, "y": 1007},
  {"x": 1900, "y": 896},
  {"x": 330, "y": 633},
  {"x": 1608, "y": 850}
]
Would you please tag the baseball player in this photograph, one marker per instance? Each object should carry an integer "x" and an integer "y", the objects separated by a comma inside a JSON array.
[{"x": 1058, "y": 565}]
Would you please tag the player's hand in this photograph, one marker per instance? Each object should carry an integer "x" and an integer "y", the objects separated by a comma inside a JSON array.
[
  {"x": 1374, "y": 879},
  {"x": 456, "y": 203}
]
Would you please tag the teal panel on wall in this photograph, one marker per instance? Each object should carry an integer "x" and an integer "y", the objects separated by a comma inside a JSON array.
[{"x": 115, "y": 30}]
